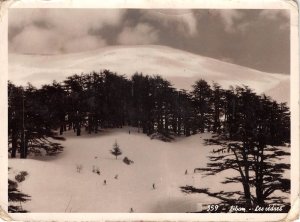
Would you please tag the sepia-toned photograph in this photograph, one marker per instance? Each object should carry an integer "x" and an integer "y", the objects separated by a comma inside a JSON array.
[{"x": 140, "y": 110}]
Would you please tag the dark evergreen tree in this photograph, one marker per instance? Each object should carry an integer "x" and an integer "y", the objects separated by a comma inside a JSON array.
[
  {"x": 15, "y": 196},
  {"x": 30, "y": 122},
  {"x": 217, "y": 101},
  {"x": 202, "y": 101},
  {"x": 15, "y": 114},
  {"x": 252, "y": 153},
  {"x": 116, "y": 151}
]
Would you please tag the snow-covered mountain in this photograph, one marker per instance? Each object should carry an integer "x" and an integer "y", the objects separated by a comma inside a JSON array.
[{"x": 180, "y": 67}]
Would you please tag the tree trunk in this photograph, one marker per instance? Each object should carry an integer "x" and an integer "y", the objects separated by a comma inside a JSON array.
[
  {"x": 61, "y": 130},
  {"x": 259, "y": 172},
  {"x": 70, "y": 125},
  {"x": 96, "y": 126},
  {"x": 90, "y": 124},
  {"x": 14, "y": 143},
  {"x": 78, "y": 130},
  {"x": 247, "y": 194},
  {"x": 65, "y": 126},
  {"x": 246, "y": 167},
  {"x": 23, "y": 146}
]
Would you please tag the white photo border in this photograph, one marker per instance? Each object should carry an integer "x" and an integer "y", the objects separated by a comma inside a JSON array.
[{"x": 292, "y": 6}]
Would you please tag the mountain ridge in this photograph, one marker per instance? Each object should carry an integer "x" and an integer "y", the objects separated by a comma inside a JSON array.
[{"x": 181, "y": 68}]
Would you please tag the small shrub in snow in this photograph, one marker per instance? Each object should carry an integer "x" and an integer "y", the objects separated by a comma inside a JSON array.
[
  {"x": 21, "y": 176},
  {"x": 24, "y": 173},
  {"x": 78, "y": 168},
  {"x": 209, "y": 142},
  {"x": 116, "y": 151},
  {"x": 162, "y": 137},
  {"x": 98, "y": 171},
  {"x": 127, "y": 160}
]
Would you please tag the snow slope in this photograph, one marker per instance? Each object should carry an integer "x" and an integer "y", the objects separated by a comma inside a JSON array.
[
  {"x": 180, "y": 67},
  {"x": 55, "y": 186}
]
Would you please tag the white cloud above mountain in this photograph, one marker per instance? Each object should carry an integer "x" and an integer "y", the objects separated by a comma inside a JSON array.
[{"x": 140, "y": 34}]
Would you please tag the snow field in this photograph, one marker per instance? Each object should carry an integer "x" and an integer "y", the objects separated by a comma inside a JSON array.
[{"x": 55, "y": 185}]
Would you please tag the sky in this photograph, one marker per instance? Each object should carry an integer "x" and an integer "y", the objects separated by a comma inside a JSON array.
[{"x": 258, "y": 39}]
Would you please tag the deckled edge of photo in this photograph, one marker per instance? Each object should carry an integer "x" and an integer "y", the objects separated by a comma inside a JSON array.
[
  {"x": 293, "y": 213},
  {"x": 292, "y": 5},
  {"x": 4, "y": 5}
]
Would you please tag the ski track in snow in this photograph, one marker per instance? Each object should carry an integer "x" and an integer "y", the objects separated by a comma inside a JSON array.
[{"x": 55, "y": 186}]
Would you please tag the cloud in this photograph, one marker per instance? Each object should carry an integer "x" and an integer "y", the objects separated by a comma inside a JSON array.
[
  {"x": 228, "y": 17},
  {"x": 255, "y": 38},
  {"x": 273, "y": 14},
  {"x": 82, "y": 44},
  {"x": 59, "y": 30},
  {"x": 280, "y": 16},
  {"x": 78, "y": 22},
  {"x": 138, "y": 35},
  {"x": 35, "y": 40},
  {"x": 183, "y": 20}
]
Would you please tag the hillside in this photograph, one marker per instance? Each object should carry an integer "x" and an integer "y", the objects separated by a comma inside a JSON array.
[
  {"x": 55, "y": 179},
  {"x": 179, "y": 67}
]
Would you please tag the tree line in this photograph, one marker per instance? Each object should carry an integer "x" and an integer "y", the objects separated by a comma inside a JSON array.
[{"x": 107, "y": 100}]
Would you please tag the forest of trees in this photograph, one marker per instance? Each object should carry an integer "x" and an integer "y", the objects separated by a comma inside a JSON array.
[
  {"x": 249, "y": 126},
  {"x": 108, "y": 100}
]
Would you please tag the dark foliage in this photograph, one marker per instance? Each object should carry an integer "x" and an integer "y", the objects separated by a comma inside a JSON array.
[
  {"x": 248, "y": 128},
  {"x": 127, "y": 160},
  {"x": 105, "y": 99},
  {"x": 14, "y": 195},
  {"x": 116, "y": 151},
  {"x": 33, "y": 114},
  {"x": 21, "y": 176},
  {"x": 254, "y": 128},
  {"x": 162, "y": 137}
]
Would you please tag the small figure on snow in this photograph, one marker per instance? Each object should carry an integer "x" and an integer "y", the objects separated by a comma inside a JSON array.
[
  {"x": 79, "y": 168},
  {"x": 129, "y": 133},
  {"x": 104, "y": 182},
  {"x": 186, "y": 172},
  {"x": 98, "y": 172},
  {"x": 131, "y": 210},
  {"x": 153, "y": 186},
  {"x": 116, "y": 177}
]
